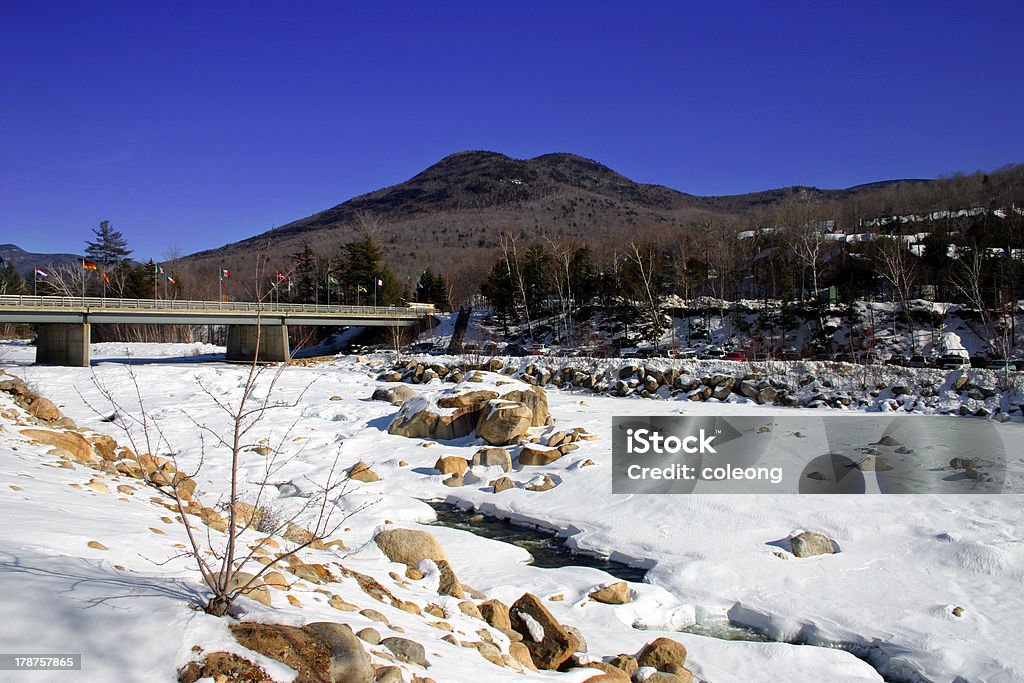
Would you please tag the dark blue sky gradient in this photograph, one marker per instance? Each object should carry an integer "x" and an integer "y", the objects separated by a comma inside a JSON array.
[{"x": 194, "y": 124}]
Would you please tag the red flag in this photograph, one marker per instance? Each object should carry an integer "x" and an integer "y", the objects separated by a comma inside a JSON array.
[
  {"x": 106, "y": 279},
  {"x": 281, "y": 278},
  {"x": 88, "y": 265}
]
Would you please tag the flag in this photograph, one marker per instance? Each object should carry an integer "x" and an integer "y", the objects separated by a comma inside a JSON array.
[
  {"x": 106, "y": 279},
  {"x": 172, "y": 280},
  {"x": 224, "y": 273},
  {"x": 157, "y": 269},
  {"x": 331, "y": 280},
  {"x": 360, "y": 288},
  {"x": 281, "y": 277},
  {"x": 380, "y": 283},
  {"x": 88, "y": 265},
  {"x": 41, "y": 273}
]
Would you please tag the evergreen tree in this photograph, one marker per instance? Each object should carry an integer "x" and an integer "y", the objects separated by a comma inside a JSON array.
[
  {"x": 10, "y": 281},
  {"x": 304, "y": 277},
  {"x": 110, "y": 246},
  {"x": 432, "y": 288}
]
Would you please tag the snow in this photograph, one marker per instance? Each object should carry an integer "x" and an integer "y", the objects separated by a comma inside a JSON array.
[
  {"x": 532, "y": 625},
  {"x": 906, "y": 561}
]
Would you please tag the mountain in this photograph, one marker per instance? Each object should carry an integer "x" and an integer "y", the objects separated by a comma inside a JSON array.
[
  {"x": 25, "y": 262},
  {"x": 449, "y": 216}
]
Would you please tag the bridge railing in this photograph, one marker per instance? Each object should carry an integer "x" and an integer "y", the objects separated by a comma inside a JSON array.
[{"x": 103, "y": 303}]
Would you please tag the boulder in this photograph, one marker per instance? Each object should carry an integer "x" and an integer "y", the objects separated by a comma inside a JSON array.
[
  {"x": 495, "y": 613},
  {"x": 43, "y": 408},
  {"x": 406, "y": 650},
  {"x": 321, "y": 651},
  {"x": 76, "y": 445},
  {"x": 223, "y": 666},
  {"x": 493, "y": 457},
  {"x": 534, "y": 455},
  {"x": 521, "y": 653},
  {"x": 412, "y": 546},
  {"x": 421, "y": 418},
  {"x": 613, "y": 594},
  {"x": 504, "y": 422},
  {"x": 362, "y": 472},
  {"x": 348, "y": 661},
  {"x": 549, "y": 644},
  {"x": 811, "y": 543},
  {"x": 546, "y": 483},
  {"x": 468, "y": 399},
  {"x": 502, "y": 484},
  {"x": 662, "y": 652},
  {"x": 451, "y": 464},
  {"x": 396, "y": 395}
]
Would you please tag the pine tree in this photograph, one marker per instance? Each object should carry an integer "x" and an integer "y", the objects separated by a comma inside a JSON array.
[
  {"x": 304, "y": 274},
  {"x": 110, "y": 246},
  {"x": 432, "y": 288}
]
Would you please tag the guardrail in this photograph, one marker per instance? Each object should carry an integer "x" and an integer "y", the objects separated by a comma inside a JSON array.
[{"x": 101, "y": 303}]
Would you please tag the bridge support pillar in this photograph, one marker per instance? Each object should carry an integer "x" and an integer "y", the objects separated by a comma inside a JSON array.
[
  {"x": 63, "y": 344},
  {"x": 272, "y": 340}
]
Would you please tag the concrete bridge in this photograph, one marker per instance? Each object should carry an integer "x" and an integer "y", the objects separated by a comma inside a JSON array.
[{"x": 255, "y": 330}]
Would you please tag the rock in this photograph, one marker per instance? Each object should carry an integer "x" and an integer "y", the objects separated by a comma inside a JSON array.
[
  {"x": 223, "y": 667},
  {"x": 555, "y": 438},
  {"x": 96, "y": 545},
  {"x": 495, "y": 613},
  {"x": 409, "y": 546},
  {"x": 502, "y": 484},
  {"x": 545, "y": 484},
  {"x": 661, "y": 652},
  {"x": 533, "y": 455},
  {"x": 449, "y": 584},
  {"x": 581, "y": 643},
  {"x": 816, "y": 475},
  {"x": 963, "y": 464},
  {"x": 77, "y": 447},
  {"x": 362, "y": 472},
  {"x": 455, "y": 480},
  {"x": 396, "y": 395},
  {"x": 389, "y": 674},
  {"x": 810, "y": 543},
  {"x": 521, "y": 654},
  {"x": 503, "y": 422},
  {"x": 369, "y": 635},
  {"x": 470, "y": 610},
  {"x": 322, "y": 651},
  {"x": 625, "y": 662},
  {"x": 374, "y": 615},
  {"x": 958, "y": 611},
  {"x": 493, "y": 457},
  {"x": 614, "y": 594},
  {"x": 406, "y": 650},
  {"x": 348, "y": 659},
  {"x": 43, "y": 409},
  {"x": 451, "y": 464},
  {"x": 873, "y": 463},
  {"x": 548, "y": 642}
]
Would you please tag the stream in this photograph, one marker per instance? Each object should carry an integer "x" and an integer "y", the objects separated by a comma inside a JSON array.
[{"x": 550, "y": 551}]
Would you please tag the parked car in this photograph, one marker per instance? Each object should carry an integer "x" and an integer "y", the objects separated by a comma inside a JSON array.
[
  {"x": 917, "y": 362},
  {"x": 979, "y": 361},
  {"x": 1001, "y": 364},
  {"x": 712, "y": 354},
  {"x": 537, "y": 350},
  {"x": 735, "y": 356},
  {"x": 952, "y": 361}
]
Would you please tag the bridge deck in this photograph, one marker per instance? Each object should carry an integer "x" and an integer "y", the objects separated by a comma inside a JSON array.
[{"x": 56, "y": 309}]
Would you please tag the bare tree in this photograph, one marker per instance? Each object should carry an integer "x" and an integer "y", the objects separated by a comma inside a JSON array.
[
  {"x": 898, "y": 266},
  {"x": 510, "y": 252},
  {"x": 646, "y": 262}
]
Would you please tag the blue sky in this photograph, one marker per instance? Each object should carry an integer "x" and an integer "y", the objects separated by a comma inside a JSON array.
[{"x": 193, "y": 124}]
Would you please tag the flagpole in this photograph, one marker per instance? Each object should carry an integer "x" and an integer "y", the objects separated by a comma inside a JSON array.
[
  {"x": 35, "y": 282},
  {"x": 83, "y": 282},
  {"x": 375, "y": 291},
  {"x": 156, "y": 271}
]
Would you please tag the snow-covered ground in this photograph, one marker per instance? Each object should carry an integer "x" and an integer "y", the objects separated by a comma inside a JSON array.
[{"x": 906, "y": 561}]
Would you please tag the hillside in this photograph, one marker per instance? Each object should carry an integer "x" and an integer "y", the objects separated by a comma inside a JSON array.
[
  {"x": 24, "y": 262},
  {"x": 466, "y": 200}
]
